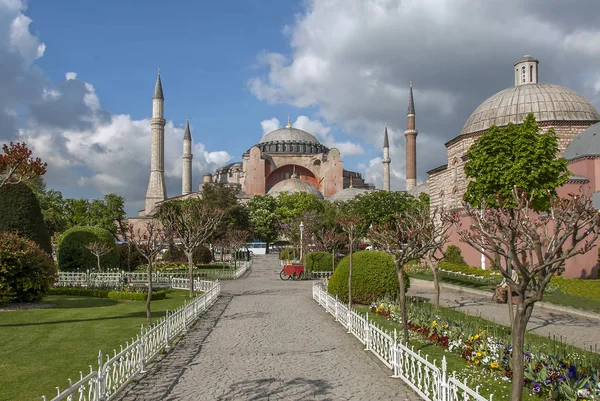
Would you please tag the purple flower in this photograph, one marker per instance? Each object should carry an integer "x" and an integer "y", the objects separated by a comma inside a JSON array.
[
  {"x": 548, "y": 381},
  {"x": 536, "y": 387},
  {"x": 572, "y": 372}
]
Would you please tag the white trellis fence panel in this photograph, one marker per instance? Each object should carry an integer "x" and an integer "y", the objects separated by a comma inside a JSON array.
[
  {"x": 119, "y": 369},
  {"x": 427, "y": 379}
]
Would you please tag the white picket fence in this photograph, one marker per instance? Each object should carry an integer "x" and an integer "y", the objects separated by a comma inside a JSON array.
[
  {"x": 115, "y": 371},
  {"x": 428, "y": 380},
  {"x": 159, "y": 279}
]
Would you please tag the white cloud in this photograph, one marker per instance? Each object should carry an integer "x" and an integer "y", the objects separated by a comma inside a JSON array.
[
  {"x": 22, "y": 41},
  {"x": 322, "y": 133},
  {"x": 70, "y": 75},
  {"x": 270, "y": 125}
]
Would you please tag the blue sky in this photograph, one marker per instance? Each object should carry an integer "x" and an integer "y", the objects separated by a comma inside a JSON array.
[{"x": 77, "y": 77}]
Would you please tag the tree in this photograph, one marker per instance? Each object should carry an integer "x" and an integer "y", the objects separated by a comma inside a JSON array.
[
  {"x": 192, "y": 222},
  {"x": 148, "y": 240},
  {"x": 409, "y": 237},
  {"x": 378, "y": 207},
  {"x": 263, "y": 218},
  {"x": 352, "y": 226},
  {"x": 21, "y": 213},
  {"x": 537, "y": 246},
  {"x": 514, "y": 156},
  {"x": 99, "y": 249},
  {"x": 236, "y": 240},
  {"x": 53, "y": 208},
  {"x": 17, "y": 165},
  {"x": 329, "y": 239},
  {"x": 294, "y": 205}
]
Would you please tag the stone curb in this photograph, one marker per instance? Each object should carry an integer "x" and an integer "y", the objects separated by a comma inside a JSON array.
[{"x": 545, "y": 305}]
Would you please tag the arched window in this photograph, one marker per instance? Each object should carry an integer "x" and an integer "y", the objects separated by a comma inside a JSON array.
[
  {"x": 523, "y": 74},
  {"x": 530, "y": 73}
]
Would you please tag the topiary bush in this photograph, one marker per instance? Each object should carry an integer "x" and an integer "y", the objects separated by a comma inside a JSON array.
[
  {"x": 72, "y": 254},
  {"x": 289, "y": 254},
  {"x": 21, "y": 214},
  {"x": 26, "y": 271},
  {"x": 318, "y": 262},
  {"x": 373, "y": 277},
  {"x": 202, "y": 255},
  {"x": 454, "y": 256}
]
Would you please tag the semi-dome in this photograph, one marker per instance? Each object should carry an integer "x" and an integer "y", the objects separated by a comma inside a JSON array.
[
  {"x": 547, "y": 102},
  {"x": 347, "y": 194},
  {"x": 293, "y": 185},
  {"x": 587, "y": 143},
  {"x": 288, "y": 134}
]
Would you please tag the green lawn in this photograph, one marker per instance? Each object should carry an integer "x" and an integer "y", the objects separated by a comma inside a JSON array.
[
  {"x": 41, "y": 349},
  {"x": 557, "y": 297}
]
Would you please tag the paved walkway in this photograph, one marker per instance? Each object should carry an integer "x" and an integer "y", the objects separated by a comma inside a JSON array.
[
  {"x": 266, "y": 339},
  {"x": 574, "y": 328}
]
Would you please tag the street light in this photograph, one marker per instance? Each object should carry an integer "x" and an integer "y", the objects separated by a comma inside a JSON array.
[{"x": 301, "y": 230}]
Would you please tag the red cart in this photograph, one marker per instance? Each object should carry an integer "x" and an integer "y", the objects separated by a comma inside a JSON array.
[{"x": 294, "y": 272}]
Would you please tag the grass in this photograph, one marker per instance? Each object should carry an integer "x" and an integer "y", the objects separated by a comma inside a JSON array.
[
  {"x": 42, "y": 348},
  {"x": 556, "y": 298}
]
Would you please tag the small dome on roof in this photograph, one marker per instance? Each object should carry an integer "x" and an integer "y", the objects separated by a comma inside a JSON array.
[
  {"x": 293, "y": 185},
  {"x": 587, "y": 143},
  {"x": 347, "y": 194}
]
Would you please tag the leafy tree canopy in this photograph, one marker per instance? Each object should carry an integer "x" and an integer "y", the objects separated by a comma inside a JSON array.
[
  {"x": 263, "y": 217},
  {"x": 515, "y": 156},
  {"x": 294, "y": 205},
  {"x": 379, "y": 207}
]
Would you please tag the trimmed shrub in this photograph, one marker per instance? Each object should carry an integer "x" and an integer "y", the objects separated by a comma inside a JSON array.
[
  {"x": 318, "y": 262},
  {"x": 26, "y": 271},
  {"x": 289, "y": 254},
  {"x": 181, "y": 266},
  {"x": 72, "y": 253},
  {"x": 454, "y": 256},
  {"x": 124, "y": 295},
  {"x": 201, "y": 255},
  {"x": 21, "y": 214},
  {"x": 373, "y": 277}
]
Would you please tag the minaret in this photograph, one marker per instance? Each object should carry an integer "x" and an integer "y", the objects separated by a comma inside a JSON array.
[
  {"x": 386, "y": 161},
  {"x": 186, "y": 157},
  {"x": 156, "y": 186},
  {"x": 411, "y": 144}
]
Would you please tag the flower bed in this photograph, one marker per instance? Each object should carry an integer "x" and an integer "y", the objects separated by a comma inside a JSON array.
[
  {"x": 130, "y": 293},
  {"x": 556, "y": 374}
]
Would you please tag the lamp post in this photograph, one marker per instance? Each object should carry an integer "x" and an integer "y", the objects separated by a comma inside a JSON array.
[{"x": 301, "y": 231}]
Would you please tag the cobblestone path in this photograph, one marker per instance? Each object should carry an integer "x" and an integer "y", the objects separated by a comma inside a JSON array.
[
  {"x": 575, "y": 329},
  {"x": 266, "y": 339}
]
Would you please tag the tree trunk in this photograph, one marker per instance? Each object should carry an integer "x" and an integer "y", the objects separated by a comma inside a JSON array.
[
  {"x": 190, "y": 272},
  {"x": 333, "y": 260},
  {"x": 518, "y": 341},
  {"x": 128, "y": 256},
  {"x": 511, "y": 310},
  {"x": 436, "y": 284},
  {"x": 400, "y": 272},
  {"x": 350, "y": 278},
  {"x": 98, "y": 258},
  {"x": 149, "y": 296}
]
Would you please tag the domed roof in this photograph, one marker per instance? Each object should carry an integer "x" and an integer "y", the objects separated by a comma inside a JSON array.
[
  {"x": 293, "y": 185},
  {"x": 288, "y": 134},
  {"x": 347, "y": 194},
  {"x": 587, "y": 143},
  {"x": 546, "y": 101},
  {"x": 419, "y": 189}
]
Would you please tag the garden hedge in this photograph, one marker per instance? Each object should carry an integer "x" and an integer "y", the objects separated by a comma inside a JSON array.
[
  {"x": 466, "y": 269},
  {"x": 124, "y": 295},
  {"x": 26, "y": 271},
  {"x": 72, "y": 253},
  {"x": 202, "y": 255},
  {"x": 454, "y": 256},
  {"x": 373, "y": 278},
  {"x": 21, "y": 214},
  {"x": 318, "y": 262}
]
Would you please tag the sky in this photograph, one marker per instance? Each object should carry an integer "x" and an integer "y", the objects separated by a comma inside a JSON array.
[{"x": 77, "y": 77}]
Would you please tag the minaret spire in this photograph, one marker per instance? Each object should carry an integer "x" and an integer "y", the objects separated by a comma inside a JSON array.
[
  {"x": 186, "y": 159},
  {"x": 411, "y": 143},
  {"x": 386, "y": 160},
  {"x": 157, "y": 191},
  {"x": 289, "y": 125}
]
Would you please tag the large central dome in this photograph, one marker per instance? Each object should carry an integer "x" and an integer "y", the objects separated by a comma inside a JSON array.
[
  {"x": 547, "y": 102},
  {"x": 288, "y": 134}
]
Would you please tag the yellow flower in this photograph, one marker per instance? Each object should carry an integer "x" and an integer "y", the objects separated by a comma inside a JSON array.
[
  {"x": 434, "y": 323},
  {"x": 476, "y": 361},
  {"x": 494, "y": 365},
  {"x": 478, "y": 353},
  {"x": 476, "y": 336}
]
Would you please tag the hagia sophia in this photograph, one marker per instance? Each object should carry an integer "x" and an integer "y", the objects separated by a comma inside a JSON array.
[{"x": 291, "y": 160}]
